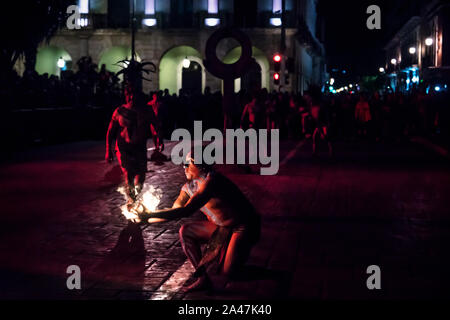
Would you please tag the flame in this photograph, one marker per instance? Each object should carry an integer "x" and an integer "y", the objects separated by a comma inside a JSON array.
[{"x": 150, "y": 197}]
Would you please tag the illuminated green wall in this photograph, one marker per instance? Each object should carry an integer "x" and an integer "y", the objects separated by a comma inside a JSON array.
[
  {"x": 113, "y": 55},
  {"x": 47, "y": 57},
  {"x": 168, "y": 66},
  {"x": 259, "y": 56},
  {"x": 98, "y": 6}
]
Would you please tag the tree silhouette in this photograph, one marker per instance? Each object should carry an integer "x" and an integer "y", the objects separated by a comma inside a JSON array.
[{"x": 28, "y": 23}]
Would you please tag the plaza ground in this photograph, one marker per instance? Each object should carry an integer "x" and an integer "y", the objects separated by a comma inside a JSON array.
[{"x": 324, "y": 222}]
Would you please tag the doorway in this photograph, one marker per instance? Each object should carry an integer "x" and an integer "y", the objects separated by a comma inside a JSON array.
[
  {"x": 251, "y": 81},
  {"x": 192, "y": 78}
]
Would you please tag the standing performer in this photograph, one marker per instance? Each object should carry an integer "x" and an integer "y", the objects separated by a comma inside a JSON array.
[
  {"x": 320, "y": 127},
  {"x": 232, "y": 228},
  {"x": 127, "y": 135},
  {"x": 155, "y": 104}
]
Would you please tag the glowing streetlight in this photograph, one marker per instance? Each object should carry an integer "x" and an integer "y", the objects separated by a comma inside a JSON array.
[
  {"x": 428, "y": 41},
  {"x": 412, "y": 50},
  {"x": 350, "y": 85},
  {"x": 186, "y": 63},
  {"x": 61, "y": 63},
  {"x": 381, "y": 70},
  {"x": 276, "y": 22},
  {"x": 394, "y": 61},
  {"x": 212, "y": 22},
  {"x": 149, "y": 22}
]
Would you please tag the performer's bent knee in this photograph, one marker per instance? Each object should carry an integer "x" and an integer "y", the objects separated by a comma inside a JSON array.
[
  {"x": 185, "y": 232},
  {"x": 182, "y": 232}
]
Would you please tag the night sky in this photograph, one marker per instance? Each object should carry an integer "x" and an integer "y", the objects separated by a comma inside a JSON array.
[{"x": 350, "y": 45}]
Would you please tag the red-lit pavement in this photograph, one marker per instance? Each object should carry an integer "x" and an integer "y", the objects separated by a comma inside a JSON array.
[{"x": 324, "y": 223}]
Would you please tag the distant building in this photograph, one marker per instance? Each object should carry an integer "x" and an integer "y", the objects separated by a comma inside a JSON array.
[
  {"x": 419, "y": 53},
  {"x": 170, "y": 31}
]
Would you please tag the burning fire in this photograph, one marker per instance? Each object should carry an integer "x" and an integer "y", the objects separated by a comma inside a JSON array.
[{"x": 149, "y": 198}]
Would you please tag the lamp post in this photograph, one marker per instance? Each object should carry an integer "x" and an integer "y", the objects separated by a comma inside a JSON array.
[{"x": 133, "y": 29}]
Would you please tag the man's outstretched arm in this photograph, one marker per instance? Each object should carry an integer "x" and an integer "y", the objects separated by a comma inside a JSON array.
[
  {"x": 180, "y": 210},
  {"x": 111, "y": 137},
  {"x": 181, "y": 201}
]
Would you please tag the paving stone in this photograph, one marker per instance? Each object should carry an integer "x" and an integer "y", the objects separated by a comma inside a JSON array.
[{"x": 323, "y": 224}]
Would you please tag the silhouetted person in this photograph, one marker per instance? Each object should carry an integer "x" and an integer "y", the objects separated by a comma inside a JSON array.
[
  {"x": 362, "y": 115},
  {"x": 320, "y": 128},
  {"x": 156, "y": 106}
]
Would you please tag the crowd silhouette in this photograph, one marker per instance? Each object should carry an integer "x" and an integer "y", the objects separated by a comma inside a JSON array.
[{"x": 377, "y": 117}]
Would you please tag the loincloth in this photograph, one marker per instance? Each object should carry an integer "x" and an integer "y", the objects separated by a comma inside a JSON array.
[
  {"x": 133, "y": 157},
  {"x": 217, "y": 246}
]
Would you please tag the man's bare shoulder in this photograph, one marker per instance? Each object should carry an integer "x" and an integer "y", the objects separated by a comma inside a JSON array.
[
  {"x": 116, "y": 113},
  {"x": 214, "y": 181}
]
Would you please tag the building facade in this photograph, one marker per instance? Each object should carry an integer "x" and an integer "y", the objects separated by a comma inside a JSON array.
[
  {"x": 170, "y": 32},
  {"x": 419, "y": 54}
]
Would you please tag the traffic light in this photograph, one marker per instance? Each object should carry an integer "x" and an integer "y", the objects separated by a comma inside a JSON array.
[
  {"x": 276, "y": 78},
  {"x": 277, "y": 62}
]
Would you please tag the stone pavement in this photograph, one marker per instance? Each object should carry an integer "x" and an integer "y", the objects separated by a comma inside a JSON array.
[{"x": 324, "y": 222}]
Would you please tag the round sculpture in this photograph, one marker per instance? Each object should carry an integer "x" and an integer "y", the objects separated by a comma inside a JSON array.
[{"x": 223, "y": 70}]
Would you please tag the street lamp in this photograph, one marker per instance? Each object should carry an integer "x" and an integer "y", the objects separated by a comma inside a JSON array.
[
  {"x": 412, "y": 50},
  {"x": 276, "y": 22},
  {"x": 212, "y": 22},
  {"x": 428, "y": 41},
  {"x": 61, "y": 63},
  {"x": 394, "y": 61},
  {"x": 149, "y": 22},
  {"x": 186, "y": 63},
  {"x": 381, "y": 70}
]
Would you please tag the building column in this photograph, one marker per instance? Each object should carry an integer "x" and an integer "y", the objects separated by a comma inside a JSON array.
[{"x": 84, "y": 46}]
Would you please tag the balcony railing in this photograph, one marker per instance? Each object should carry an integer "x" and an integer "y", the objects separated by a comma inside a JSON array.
[{"x": 196, "y": 20}]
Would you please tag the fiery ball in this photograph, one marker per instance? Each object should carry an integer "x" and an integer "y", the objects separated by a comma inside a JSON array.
[{"x": 149, "y": 198}]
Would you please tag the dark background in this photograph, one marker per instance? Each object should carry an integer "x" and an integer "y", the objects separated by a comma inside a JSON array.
[{"x": 349, "y": 44}]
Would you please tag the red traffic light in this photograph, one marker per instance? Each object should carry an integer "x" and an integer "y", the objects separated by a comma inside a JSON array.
[
  {"x": 276, "y": 76},
  {"x": 277, "y": 58}
]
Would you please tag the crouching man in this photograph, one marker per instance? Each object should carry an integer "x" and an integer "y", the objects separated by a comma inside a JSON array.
[{"x": 231, "y": 229}]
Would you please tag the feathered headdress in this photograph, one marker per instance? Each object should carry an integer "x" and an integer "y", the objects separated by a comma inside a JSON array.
[{"x": 133, "y": 72}]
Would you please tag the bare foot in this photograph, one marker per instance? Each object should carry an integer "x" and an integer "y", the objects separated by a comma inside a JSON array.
[
  {"x": 130, "y": 204},
  {"x": 202, "y": 283}
]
